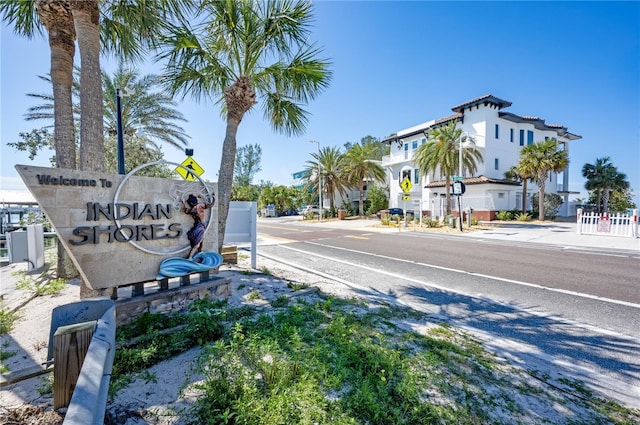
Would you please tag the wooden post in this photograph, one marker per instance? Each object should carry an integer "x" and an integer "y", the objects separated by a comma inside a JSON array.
[{"x": 70, "y": 346}]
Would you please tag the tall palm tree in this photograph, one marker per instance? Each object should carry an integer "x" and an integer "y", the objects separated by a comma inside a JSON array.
[
  {"x": 127, "y": 29},
  {"x": 603, "y": 177},
  {"x": 148, "y": 113},
  {"x": 359, "y": 166},
  {"x": 441, "y": 154},
  {"x": 243, "y": 51},
  {"x": 146, "y": 110},
  {"x": 27, "y": 18},
  {"x": 330, "y": 161},
  {"x": 86, "y": 17},
  {"x": 523, "y": 175},
  {"x": 542, "y": 158}
]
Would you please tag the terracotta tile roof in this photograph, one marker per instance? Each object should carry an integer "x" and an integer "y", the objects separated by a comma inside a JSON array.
[
  {"x": 475, "y": 180},
  {"x": 486, "y": 99},
  {"x": 539, "y": 124},
  {"x": 444, "y": 120}
]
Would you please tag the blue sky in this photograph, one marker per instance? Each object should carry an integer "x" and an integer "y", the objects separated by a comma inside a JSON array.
[{"x": 398, "y": 64}]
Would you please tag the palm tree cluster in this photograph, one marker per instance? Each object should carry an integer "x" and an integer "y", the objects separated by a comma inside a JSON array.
[
  {"x": 341, "y": 172},
  {"x": 603, "y": 178}
]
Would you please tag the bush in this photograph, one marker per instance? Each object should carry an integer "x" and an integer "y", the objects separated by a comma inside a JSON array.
[
  {"x": 430, "y": 222},
  {"x": 504, "y": 215},
  {"x": 474, "y": 221},
  {"x": 552, "y": 203},
  {"x": 523, "y": 217}
]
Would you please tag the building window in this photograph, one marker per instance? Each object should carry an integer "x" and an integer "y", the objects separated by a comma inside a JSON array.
[
  {"x": 416, "y": 176},
  {"x": 497, "y": 131},
  {"x": 521, "y": 137},
  {"x": 496, "y": 163},
  {"x": 414, "y": 144},
  {"x": 406, "y": 174},
  {"x": 529, "y": 137},
  {"x": 501, "y": 195},
  {"x": 511, "y": 135},
  {"x": 424, "y": 140},
  {"x": 364, "y": 187},
  {"x": 406, "y": 147},
  {"x": 546, "y": 138}
]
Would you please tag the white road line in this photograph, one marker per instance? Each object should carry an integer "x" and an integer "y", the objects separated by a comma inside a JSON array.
[{"x": 516, "y": 282}]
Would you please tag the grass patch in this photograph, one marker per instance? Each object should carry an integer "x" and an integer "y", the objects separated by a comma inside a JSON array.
[
  {"x": 340, "y": 361},
  {"x": 7, "y": 319}
]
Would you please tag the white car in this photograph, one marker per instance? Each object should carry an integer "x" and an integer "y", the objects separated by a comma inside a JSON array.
[{"x": 313, "y": 209}]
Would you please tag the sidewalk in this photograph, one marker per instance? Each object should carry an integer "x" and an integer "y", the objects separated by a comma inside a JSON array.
[{"x": 554, "y": 233}]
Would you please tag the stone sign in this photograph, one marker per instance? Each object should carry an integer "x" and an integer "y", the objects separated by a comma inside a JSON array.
[{"x": 118, "y": 229}]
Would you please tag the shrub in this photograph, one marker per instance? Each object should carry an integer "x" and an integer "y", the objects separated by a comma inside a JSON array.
[
  {"x": 523, "y": 217},
  {"x": 474, "y": 221},
  {"x": 552, "y": 203},
  {"x": 430, "y": 222},
  {"x": 504, "y": 215}
]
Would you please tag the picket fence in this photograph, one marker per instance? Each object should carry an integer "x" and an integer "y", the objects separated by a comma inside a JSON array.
[{"x": 609, "y": 225}]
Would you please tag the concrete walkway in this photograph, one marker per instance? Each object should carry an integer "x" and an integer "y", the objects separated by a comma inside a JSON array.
[{"x": 555, "y": 233}]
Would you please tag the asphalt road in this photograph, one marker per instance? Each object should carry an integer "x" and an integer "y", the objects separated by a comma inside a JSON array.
[{"x": 570, "y": 312}]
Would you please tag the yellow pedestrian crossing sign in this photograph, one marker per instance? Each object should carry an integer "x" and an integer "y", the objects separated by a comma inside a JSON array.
[
  {"x": 406, "y": 185},
  {"x": 190, "y": 169}
]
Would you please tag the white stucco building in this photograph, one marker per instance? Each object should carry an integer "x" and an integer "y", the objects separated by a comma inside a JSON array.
[{"x": 499, "y": 135}]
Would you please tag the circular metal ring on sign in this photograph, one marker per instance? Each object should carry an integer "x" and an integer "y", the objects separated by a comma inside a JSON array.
[{"x": 131, "y": 173}]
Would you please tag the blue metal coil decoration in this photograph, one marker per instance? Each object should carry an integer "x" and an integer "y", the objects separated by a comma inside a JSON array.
[{"x": 176, "y": 266}]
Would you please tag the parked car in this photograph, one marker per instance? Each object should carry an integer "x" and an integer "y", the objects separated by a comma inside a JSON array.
[
  {"x": 288, "y": 212},
  {"x": 313, "y": 209},
  {"x": 394, "y": 211},
  {"x": 310, "y": 209}
]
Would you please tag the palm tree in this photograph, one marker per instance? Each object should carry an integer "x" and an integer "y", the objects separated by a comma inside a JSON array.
[
  {"x": 244, "y": 51},
  {"x": 520, "y": 174},
  {"x": 603, "y": 177},
  {"x": 331, "y": 165},
  {"x": 359, "y": 166},
  {"x": 441, "y": 154},
  {"x": 146, "y": 111},
  {"x": 27, "y": 18},
  {"x": 129, "y": 29},
  {"x": 149, "y": 114},
  {"x": 540, "y": 159}
]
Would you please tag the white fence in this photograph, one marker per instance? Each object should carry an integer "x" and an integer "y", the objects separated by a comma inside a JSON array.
[{"x": 609, "y": 225}]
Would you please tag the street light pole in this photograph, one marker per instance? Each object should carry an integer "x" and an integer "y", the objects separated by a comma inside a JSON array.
[
  {"x": 321, "y": 211},
  {"x": 119, "y": 132}
]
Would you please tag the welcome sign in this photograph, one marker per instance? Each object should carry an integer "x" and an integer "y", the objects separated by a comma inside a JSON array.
[{"x": 118, "y": 229}]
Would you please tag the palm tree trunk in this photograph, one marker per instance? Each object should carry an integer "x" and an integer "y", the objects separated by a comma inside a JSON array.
[
  {"x": 541, "y": 198},
  {"x": 448, "y": 193},
  {"x": 361, "y": 200},
  {"x": 239, "y": 98},
  {"x": 605, "y": 200},
  {"x": 225, "y": 177},
  {"x": 86, "y": 16},
  {"x": 59, "y": 24},
  {"x": 524, "y": 196}
]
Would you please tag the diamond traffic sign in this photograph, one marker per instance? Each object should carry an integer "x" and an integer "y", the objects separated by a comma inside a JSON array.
[
  {"x": 191, "y": 171},
  {"x": 406, "y": 185}
]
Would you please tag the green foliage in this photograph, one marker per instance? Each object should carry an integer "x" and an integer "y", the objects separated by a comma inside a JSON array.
[
  {"x": 247, "y": 164},
  {"x": 504, "y": 215},
  {"x": 7, "y": 319},
  {"x": 377, "y": 197},
  {"x": 523, "y": 217},
  {"x": 430, "y": 222},
  {"x": 620, "y": 201},
  {"x": 474, "y": 221},
  {"x": 552, "y": 203}
]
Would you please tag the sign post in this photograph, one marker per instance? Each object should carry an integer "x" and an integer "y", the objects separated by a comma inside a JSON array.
[{"x": 406, "y": 186}]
